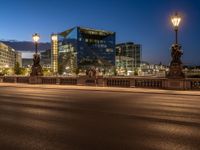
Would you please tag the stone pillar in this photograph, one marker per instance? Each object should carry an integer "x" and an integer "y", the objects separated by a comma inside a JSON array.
[
  {"x": 100, "y": 81},
  {"x": 178, "y": 84},
  {"x": 81, "y": 80},
  {"x": 15, "y": 79},
  {"x": 58, "y": 80},
  {"x": 132, "y": 82}
]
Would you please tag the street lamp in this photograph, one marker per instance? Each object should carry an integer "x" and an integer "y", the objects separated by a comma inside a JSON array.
[
  {"x": 36, "y": 38},
  {"x": 176, "y": 69},
  {"x": 176, "y": 19},
  {"x": 36, "y": 67}
]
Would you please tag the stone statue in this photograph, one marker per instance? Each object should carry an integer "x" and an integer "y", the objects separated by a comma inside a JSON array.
[
  {"x": 36, "y": 68},
  {"x": 91, "y": 73},
  {"x": 176, "y": 54},
  {"x": 176, "y": 64}
]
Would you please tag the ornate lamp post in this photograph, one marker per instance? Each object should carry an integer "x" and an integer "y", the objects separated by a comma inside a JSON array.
[
  {"x": 175, "y": 69},
  {"x": 36, "y": 69}
]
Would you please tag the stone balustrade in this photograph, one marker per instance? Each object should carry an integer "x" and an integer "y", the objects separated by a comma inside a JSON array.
[
  {"x": 137, "y": 82},
  {"x": 195, "y": 83}
]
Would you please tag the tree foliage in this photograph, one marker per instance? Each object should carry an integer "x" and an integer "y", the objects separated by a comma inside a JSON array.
[{"x": 17, "y": 69}]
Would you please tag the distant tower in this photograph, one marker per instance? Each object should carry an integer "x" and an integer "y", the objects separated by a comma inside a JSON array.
[{"x": 54, "y": 53}]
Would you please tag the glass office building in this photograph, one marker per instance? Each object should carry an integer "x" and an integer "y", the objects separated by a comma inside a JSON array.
[
  {"x": 128, "y": 56},
  {"x": 83, "y": 48}
]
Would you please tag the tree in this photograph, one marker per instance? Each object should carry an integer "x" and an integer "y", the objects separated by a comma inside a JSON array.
[
  {"x": 136, "y": 72},
  {"x": 60, "y": 69},
  {"x": 17, "y": 69},
  {"x": 5, "y": 71},
  {"x": 76, "y": 70},
  {"x": 115, "y": 71},
  {"x": 126, "y": 71},
  {"x": 23, "y": 71},
  {"x": 47, "y": 72}
]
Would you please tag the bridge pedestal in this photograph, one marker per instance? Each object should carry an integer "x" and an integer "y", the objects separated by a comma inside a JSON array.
[{"x": 177, "y": 84}]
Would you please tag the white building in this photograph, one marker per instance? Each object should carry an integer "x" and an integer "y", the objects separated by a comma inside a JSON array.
[{"x": 8, "y": 56}]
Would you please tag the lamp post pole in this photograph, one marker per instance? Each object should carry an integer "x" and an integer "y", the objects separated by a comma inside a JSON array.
[
  {"x": 176, "y": 35},
  {"x": 36, "y": 47}
]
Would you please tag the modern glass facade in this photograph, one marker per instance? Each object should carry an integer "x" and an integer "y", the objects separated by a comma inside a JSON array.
[
  {"x": 84, "y": 48},
  {"x": 128, "y": 56},
  {"x": 45, "y": 58}
]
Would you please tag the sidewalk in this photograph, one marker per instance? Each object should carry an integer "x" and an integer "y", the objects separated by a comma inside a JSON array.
[{"x": 107, "y": 89}]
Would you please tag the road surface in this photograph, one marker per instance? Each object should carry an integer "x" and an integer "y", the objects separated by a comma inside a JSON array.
[{"x": 63, "y": 119}]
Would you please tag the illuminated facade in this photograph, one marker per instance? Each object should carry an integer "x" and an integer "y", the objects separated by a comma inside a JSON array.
[
  {"x": 7, "y": 56},
  {"x": 46, "y": 58},
  {"x": 54, "y": 53},
  {"x": 128, "y": 56},
  {"x": 82, "y": 48}
]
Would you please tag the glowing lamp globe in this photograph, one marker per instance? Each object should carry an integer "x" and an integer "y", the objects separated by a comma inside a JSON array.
[
  {"x": 176, "y": 20},
  {"x": 36, "y": 37}
]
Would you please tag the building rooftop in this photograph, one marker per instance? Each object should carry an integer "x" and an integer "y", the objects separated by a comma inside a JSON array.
[
  {"x": 4, "y": 45},
  {"x": 126, "y": 43},
  {"x": 87, "y": 31}
]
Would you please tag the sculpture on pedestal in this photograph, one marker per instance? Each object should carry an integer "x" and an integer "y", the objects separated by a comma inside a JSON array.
[
  {"x": 175, "y": 69},
  {"x": 36, "y": 69}
]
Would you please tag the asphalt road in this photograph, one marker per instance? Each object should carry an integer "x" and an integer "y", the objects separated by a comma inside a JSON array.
[{"x": 58, "y": 119}]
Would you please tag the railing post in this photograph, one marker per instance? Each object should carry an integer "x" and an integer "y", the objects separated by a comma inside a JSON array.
[
  {"x": 57, "y": 80},
  {"x": 132, "y": 82},
  {"x": 15, "y": 79}
]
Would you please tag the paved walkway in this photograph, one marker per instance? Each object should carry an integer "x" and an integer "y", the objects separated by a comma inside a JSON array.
[{"x": 109, "y": 89}]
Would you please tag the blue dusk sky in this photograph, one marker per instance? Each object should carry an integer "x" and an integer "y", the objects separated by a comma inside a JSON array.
[{"x": 146, "y": 22}]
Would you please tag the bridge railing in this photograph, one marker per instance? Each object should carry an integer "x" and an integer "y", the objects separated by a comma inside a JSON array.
[
  {"x": 118, "y": 82},
  {"x": 22, "y": 79},
  {"x": 150, "y": 83},
  {"x": 9, "y": 79},
  {"x": 195, "y": 83},
  {"x": 49, "y": 80},
  {"x": 14, "y": 79},
  {"x": 137, "y": 82},
  {"x": 68, "y": 81}
]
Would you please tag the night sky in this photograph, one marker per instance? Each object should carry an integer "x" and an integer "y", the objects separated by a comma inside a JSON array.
[{"x": 146, "y": 22}]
